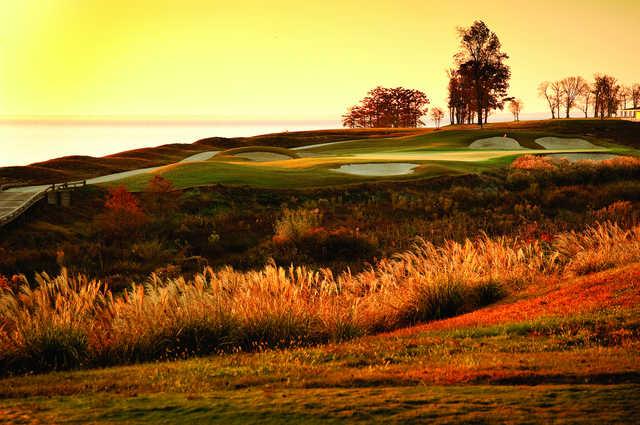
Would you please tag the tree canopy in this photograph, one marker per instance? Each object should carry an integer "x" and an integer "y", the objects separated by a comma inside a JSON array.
[
  {"x": 481, "y": 81},
  {"x": 388, "y": 107}
]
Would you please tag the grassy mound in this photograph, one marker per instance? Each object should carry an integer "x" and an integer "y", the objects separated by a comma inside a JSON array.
[
  {"x": 493, "y": 143},
  {"x": 564, "y": 143},
  {"x": 281, "y": 153}
]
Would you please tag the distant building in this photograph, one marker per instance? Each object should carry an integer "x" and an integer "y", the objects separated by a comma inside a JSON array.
[{"x": 630, "y": 113}]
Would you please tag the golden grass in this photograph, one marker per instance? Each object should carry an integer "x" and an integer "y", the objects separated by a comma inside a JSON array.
[{"x": 67, "y": 321}]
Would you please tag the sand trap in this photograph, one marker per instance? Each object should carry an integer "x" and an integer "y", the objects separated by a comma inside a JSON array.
[
  {"x": 202, "y": 156},
  {"x": 318, "y": 145},
  {"x": 573, "y": 157},
  {"x": 388, "y": 169},
  {"x": 559, "y": 143},
  {"x": 496, "y": 143},
  {"x": 262, "y": 156}
]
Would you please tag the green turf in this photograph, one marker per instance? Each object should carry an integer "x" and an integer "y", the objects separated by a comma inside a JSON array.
[{"x": 438, "y": 153}]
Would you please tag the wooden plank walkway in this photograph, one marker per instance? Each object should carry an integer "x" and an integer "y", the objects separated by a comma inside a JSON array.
[{"x": 15, "y": 201}]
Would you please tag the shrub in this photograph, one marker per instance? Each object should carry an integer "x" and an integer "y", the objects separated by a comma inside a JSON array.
[
  {"x": 49, "y": 327},
  {"x": 533, "y": 162},
  {"x": 293, "y": 224},
  {"x": 598, "y": 248},
  {"x": 621, "y": 212},
  {"x": 123, "y": 216}
]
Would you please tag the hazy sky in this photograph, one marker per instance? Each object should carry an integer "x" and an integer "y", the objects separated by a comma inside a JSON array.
[{"x": 285, "y": 59}]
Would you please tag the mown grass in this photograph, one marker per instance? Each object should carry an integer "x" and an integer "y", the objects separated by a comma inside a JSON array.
[
  {"x": 275, "y": 175},
  {"x": 428, "y": 148},
  {"x": 406, "y": 405}
]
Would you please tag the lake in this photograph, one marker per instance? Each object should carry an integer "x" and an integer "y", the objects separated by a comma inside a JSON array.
[{"x": 27, "y": 142}]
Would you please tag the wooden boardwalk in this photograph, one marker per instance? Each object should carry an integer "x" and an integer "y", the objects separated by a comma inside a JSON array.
[{"x": 17, "y": 200}]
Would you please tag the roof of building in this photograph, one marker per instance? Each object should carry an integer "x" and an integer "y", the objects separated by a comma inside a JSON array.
[{"x": 632, "y": 109}]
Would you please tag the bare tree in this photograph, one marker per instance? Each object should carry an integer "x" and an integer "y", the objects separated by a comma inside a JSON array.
[
  {"x": 556, "y": 90},
  {"x": 626, "y": 94},
  {"x": 544, "y": 91},
  {"x": 585, "y": 99},
  {"x": 436, "y": 116},
  {"x": 515, "y": 106},
  {"x": 607, "y": 95},
  {"x": 635, "y": 95},
  {"x": 571, "y": 88}
]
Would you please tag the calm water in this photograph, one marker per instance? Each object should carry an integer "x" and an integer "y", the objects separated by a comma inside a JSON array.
[{"x": 26, "y": 143}]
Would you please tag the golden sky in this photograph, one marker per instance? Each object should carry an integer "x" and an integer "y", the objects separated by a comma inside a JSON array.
[{"x": 285, "y": 59}]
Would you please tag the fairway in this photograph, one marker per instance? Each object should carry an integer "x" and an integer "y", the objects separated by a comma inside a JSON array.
[{"x": 430, "y": 154}]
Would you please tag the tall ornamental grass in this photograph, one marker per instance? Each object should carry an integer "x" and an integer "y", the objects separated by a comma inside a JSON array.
[{"x": 70, "y": 321}]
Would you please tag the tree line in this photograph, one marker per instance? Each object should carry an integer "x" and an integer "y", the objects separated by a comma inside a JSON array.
[
  {"x": 601, "y": 97},
  {"x": 477, "y": 86}
]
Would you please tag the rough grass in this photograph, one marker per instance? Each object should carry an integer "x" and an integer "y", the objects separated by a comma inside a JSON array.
[
  {"x": 577, "y": 369},
  {"x": 227, "y": 310},
  {"x": 67, "y": 322}
]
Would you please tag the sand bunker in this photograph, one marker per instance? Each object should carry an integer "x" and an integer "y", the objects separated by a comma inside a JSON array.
[
  {"x": 319, "y": 145},
  {"x": 559, "y": 143},
  {"x": 385, "y": 169},
  {"x": 262, "y": 156},
  {"x": 496, "y": 143},
  {"x": 202, "y": 156},
  {"x": 573, "y": 157}
]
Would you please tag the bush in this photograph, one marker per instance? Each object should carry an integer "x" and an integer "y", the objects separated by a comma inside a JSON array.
[
  {"x": 293, "y": 224},
  {"x": 123, "y": 217}
]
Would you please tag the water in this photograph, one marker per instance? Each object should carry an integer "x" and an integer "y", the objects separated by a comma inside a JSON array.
[{"x": 24, "y": 143}]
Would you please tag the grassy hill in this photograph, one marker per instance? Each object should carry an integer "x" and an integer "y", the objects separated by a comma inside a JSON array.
[
  {"x": 205, "y": 300},
  {"x": 435, "y": 153},
  {"x": 358, "y": 142},
  {"x": 542, "y": 353}
]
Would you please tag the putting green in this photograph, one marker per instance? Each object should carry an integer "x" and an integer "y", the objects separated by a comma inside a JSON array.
[{"x": 430, "y": 154}]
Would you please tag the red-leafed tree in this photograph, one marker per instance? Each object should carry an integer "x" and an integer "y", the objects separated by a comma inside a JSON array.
[
  {"x": 162, "y": 198},
  {"x": 123, "y": 215},
  {"x": 388, "y": 107}
]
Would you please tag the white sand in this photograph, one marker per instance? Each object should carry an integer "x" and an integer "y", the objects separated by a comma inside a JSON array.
[
  {"x": 559, "y": 143},
  {"x": 573, "y": 157},
  {"x": 202, "y": 156},
  {"x": 385, "y": 169},
  {"x": 262, "y": 156},
  {"x": 496, "y": 143},
  {"x": 318, "y": 145}
]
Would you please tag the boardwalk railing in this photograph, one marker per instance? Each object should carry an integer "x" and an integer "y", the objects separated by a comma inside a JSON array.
[{"x": 29, "y": 202}]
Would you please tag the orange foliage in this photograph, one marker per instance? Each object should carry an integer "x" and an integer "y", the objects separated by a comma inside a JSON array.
[
  {"x": 4, "y": 282},
  {"x": 533, "y": 162},
  {"x": 123, "y": 214},
  {"x": 613, "y": 289}
]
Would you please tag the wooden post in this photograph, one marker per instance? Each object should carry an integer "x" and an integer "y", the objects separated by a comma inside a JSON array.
[
  {"x": 52, "y": 197},
  {"x": 65, "y": 198}
]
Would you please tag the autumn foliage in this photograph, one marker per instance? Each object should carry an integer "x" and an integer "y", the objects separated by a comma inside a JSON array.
[
  {"x": 122, "y": 215},
  {"x": 388, "y": 107}
]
